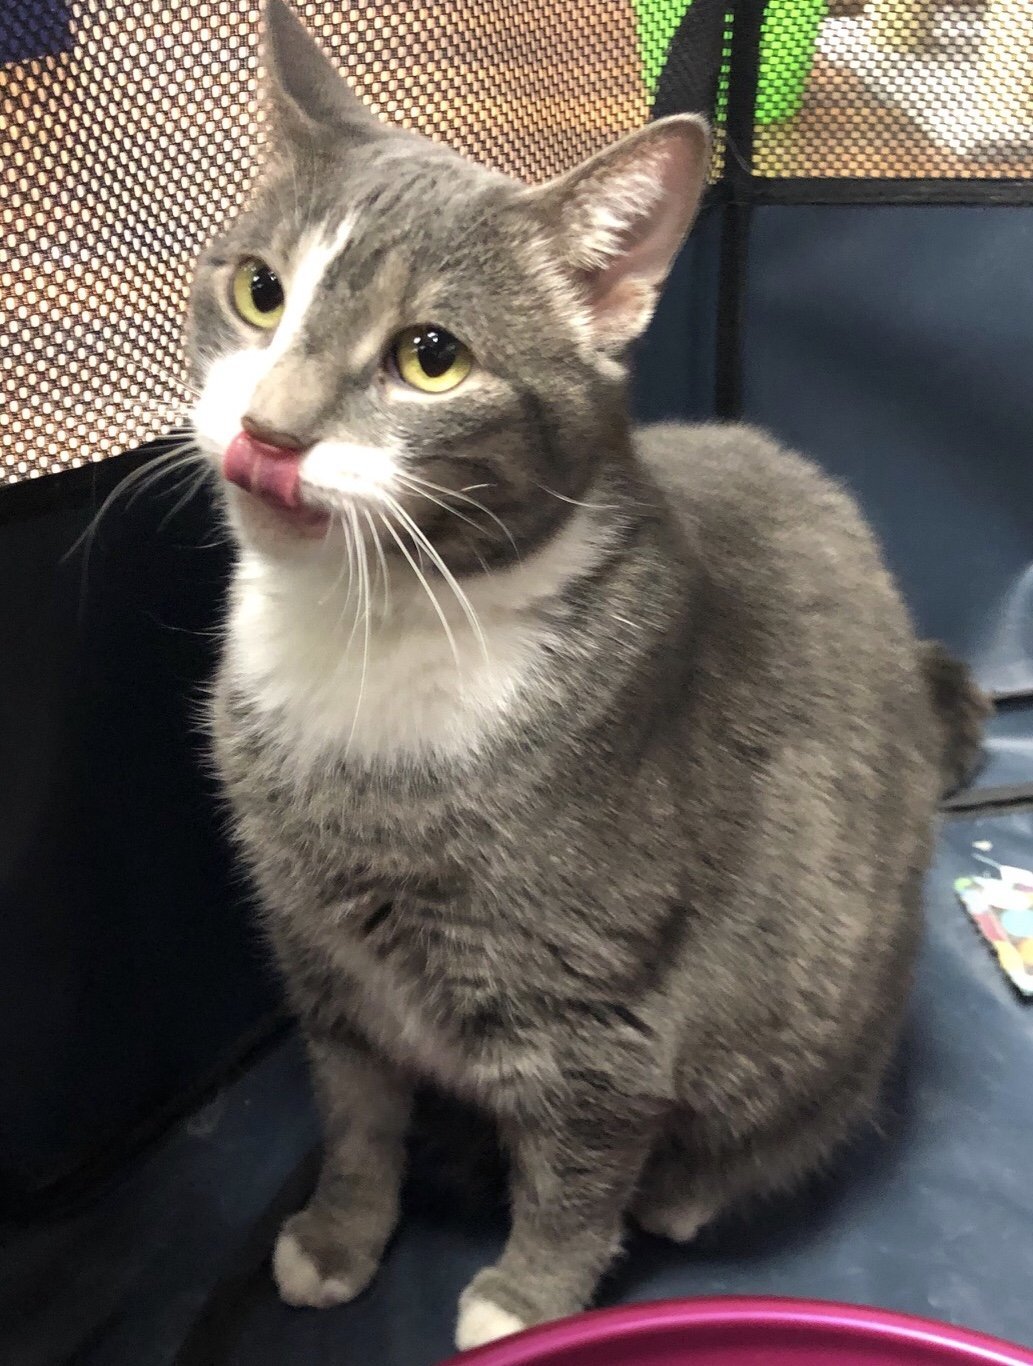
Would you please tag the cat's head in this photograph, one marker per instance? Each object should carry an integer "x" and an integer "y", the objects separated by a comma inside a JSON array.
[{"x": 394, "y": 341}]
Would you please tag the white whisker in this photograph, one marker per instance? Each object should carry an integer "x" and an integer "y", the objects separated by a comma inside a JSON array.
[
  {"x": 574, "y": 502},
  {"x": 422, "y": 483},
  {"x": 144, "y": 478},
  {"x": 382, "y": 558},
  {"x": 350, "y": 549},
  {"x": 352, "y": 582},
  {"x": 422, "y": 493},
  {"x": 360, "y": 546},
  {"x": 170, "y": 462},
  {"x": 345, "y": 564},
  {"x": 385, "y": 518},
  {"x": 358, "y": 551},
  {"x": 464, "y": 602},
  {"x": 152, "y": 367},
  {"x": 139, "y": 480},
  {"x": 191, "y": 493}
]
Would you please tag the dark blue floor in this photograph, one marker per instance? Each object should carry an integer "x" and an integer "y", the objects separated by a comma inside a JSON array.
[
  {"x": 933, "y": 1215},
  {"x": 121, "y": 1278}
]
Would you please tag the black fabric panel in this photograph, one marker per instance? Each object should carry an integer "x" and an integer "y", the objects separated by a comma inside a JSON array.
[
  {"x": 128, "y": 970},
  {"x": 924, "y": 191},
  {"x": 674, "y": 372},
  {"x": 893, "y": 344},
  {"x": 33, "y": 29},
  {"x": 689, "y": 81}
]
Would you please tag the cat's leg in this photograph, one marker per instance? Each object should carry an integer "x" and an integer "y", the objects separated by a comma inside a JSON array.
[
  {"x": 678, "y": 1196},
  {"x": 331, "y": 1249},
  {"x": 572, "y": 1177},
  {"x": 675, "y": 1198},
  {"x": 700, "y": 1170},
  {"x": 717, "y": 1160}
]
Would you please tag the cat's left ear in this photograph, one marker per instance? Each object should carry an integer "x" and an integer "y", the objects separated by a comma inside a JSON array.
[
  {"x": 304, "y": 93},
  {"x": 617, "y": 221}
]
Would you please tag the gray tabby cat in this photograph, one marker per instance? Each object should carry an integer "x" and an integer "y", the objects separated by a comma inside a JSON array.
[{"x": 588, "y": 774}]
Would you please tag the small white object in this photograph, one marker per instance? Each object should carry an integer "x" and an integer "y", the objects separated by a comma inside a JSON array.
[{"x": 1022, "y": 877}]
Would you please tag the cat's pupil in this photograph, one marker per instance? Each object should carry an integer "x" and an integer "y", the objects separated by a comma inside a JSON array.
[
  {"x": 436, "y": 351},
  {"x": 266, "y": 290}
]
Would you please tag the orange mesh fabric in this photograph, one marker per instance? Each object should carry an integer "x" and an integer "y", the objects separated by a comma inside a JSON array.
[{"x": 126, "y": 137}]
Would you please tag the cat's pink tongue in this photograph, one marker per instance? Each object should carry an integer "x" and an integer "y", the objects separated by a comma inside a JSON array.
[{"x": 272, "y": 473}]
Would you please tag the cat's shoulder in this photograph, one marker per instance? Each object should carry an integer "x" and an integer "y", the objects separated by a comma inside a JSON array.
[
  {"x": 738, "y": 473},
  {"x": 730, "y": 455},
  {"x": 733, "y": 486}
]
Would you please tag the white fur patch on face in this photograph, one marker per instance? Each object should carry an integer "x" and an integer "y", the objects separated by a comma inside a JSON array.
[
  {"x": 303, "y": 285},
  {"x": 390, "y": 688},
  {"x": 348, "y": 470},
  {"x": 481, "y": 1322},
  {"x": 233, "y": 378},
  {"x": 228, "y": 386}
]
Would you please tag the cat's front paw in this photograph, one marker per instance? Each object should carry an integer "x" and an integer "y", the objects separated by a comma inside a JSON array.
[
  {"x": 481, "y": 1321},
  {"x": 311, "y": 1269},
  {"x": 481, "y": 1317}
]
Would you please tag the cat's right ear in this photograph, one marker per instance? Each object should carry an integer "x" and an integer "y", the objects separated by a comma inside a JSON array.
[{"x": 304, "y": 95}]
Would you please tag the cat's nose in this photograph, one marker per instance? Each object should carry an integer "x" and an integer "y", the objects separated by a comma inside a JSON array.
[{"x": 272, "y": 436}]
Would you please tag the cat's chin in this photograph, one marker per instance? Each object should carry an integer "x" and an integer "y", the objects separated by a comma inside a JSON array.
[
  {"x": 266, "y": 488},
  {"x": 266, "y": 522}
]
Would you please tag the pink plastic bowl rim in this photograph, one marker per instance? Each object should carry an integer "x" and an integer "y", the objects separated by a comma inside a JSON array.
[{"x": 609, "y": 1326}]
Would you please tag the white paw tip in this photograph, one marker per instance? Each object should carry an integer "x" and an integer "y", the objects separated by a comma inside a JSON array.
[
  {"x": 678, "y": 1225},
  {"x": 480, "y": 1321},
  {"x": 298, "y": 1279}
]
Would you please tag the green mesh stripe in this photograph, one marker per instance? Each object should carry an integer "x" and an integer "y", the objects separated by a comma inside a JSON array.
[
  {"x": 656, "y": 21},
  {"x": 788, "y": 37}
]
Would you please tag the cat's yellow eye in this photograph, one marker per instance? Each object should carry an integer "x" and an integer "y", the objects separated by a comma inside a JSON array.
[
  {"x": 257, "y": 293},
  {"x": 430, "y": 359}
]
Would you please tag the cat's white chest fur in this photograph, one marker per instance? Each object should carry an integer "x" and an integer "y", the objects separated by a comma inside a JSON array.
[
  {"x": 403, "y": 694},
  {"x": 399, "y": 686}
]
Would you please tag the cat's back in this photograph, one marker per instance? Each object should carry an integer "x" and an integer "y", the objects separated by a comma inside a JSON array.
[
  {"x": 800, "y": 627},
  {"x": 807, "y": 752},
  {"x": 742, "y": 495},
  {"x": 778, "y": 539}
]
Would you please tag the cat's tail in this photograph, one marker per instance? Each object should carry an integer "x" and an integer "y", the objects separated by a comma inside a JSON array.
[{"x": 960, "y": 708}]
